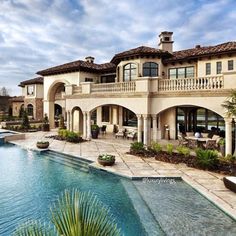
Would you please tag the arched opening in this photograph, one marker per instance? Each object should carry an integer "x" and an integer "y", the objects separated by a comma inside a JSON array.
[
  {"x": 114, "y": 116},
  {"x": 77, "y": 120},
  {"x": 185, "y": 118},
  {"x": 56, "y": 100},
  {"x": 30, "y": 110}
]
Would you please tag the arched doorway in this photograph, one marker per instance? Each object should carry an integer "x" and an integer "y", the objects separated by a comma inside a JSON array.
[
  {"x": 77, "y": 120},
  {"x": 55, "y": 105}
]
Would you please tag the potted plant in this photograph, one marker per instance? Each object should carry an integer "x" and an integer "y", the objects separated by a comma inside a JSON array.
[
  {"x": 222, "y": 146},
  {"x": 42, "y": 144},
  {"x": 106, "y": 159},
  {"x": 94, "y": 131},
  {"x": 45, "y": 126}
]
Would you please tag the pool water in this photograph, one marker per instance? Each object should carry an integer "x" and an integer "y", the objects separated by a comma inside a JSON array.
[{"x": 30, "y": 182}]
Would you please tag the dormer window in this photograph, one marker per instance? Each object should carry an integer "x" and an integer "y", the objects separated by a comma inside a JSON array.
[
  {"x": 150, "y": 69},
  {"x": 129, "y": 72}
]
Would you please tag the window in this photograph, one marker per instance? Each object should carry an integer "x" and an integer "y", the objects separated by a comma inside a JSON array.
[
  {"x": 182, "y": 72},
  {"x": 218, "y": 67},
  {"x": 108, "y": 79},
  {"x": 129, "y": 72},
  {"x": 150, "y": 69},
  {"x": 208, "y": 68},
  {"x": 230, "y": 64},
  {"x": 88, "y": 79},
  {"x": 30, "y": 90},
  {"x": 30, "y": 110},
  {"x": 105, "y": 114},
  {"x": 129, "y": 118}
]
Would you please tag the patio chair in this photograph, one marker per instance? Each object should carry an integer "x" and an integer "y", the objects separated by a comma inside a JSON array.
[
  {"x": 182, "y": 141},
  {"x": 131, "y": 135},
  {"x": 210, "y": 144},
  {"x": 192, "y": 143},
  {"x": 120, "y": 133}
]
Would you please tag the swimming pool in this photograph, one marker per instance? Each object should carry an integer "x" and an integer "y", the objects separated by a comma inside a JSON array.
[{"x": 30, "y": 182}]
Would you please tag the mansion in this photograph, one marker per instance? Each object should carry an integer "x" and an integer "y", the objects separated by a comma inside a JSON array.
[{"x": 156, "y": 91}]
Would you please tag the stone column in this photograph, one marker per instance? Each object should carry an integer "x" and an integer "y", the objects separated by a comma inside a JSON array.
[
  {"x": 88, "y": 125},
  {"x": 68, "y": 120},
  {"x": 145, "y": 129},
  {"x": 154, "y": 127},
  {"x": 71, "y": 121},
  {"x": 139, "y": 117},
  {"x": 228, "y": 136},
  {"x": 84, "y": 125}
]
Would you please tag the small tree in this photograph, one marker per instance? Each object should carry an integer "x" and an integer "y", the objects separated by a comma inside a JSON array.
[
  {"x": 62, "y": 122},
  {"x": 25, "y": 121}
]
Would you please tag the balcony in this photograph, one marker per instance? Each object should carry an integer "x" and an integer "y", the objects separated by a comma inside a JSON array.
[{"x": 155, "y": 85}]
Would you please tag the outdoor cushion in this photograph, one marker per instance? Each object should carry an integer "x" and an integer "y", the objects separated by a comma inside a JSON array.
[
  {"x": 188, "y": 134},
  {"x": 215, "y": 137},
  {"x": 204, "y": 135}
]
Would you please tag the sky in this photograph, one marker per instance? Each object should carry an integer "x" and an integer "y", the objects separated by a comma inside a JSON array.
[{"x": 38, "y": 34}]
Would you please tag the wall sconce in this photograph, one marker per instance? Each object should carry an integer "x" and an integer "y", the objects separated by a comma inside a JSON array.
[{"x": 163, "y": 73}]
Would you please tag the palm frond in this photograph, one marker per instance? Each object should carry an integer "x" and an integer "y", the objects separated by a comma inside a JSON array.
[
  {"x": 34, "y": 228},
  {"x": 82, "y": 214}
]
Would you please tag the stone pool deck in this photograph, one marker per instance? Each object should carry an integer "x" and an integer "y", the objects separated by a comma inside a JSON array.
[{"x": 208, "y": 183}]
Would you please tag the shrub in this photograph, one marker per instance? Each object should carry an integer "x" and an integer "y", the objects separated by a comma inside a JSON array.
[
  {"x": 169, "y": 148},
  {"x": 228, "y": 159},
  {"x": 106, "y": 157},
  {"x": 25, "y": 121},
  {"x": 137, "y": 147},
  {"x": 72, "y": 137},
  {"x": 61, "y": 122},
  {"x": 207, "y": 159},
  {"x": 156, "y": 147},
  {"x": 183, "y": 150}
]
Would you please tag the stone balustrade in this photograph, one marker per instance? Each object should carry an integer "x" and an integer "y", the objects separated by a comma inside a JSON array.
[
  {"x": 156, "y": 85},
  {"x": 186, "y": 84}
]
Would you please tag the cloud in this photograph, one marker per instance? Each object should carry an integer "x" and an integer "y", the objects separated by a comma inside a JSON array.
[{"x": 37, "y": 34}]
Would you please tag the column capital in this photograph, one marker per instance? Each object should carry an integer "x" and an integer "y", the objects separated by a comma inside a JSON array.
[
  {"x": 145, "y": 116},
  {"x": 154, "y": 116},
  {"x": 139, "y": 116},
  {"x": 228, "y": 119}
]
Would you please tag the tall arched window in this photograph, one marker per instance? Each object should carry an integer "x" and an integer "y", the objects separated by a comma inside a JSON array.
[
  {"x": 150, "y": 69},
  {"x": 129, "y": 72},
  {"x": 30, "y": 110}
]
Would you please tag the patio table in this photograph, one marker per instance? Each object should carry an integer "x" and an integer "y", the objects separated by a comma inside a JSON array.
[{"x": 200, "y": 140}]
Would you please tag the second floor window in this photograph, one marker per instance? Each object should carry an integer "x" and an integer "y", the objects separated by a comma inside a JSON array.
[
  {"x": 150, "y": 69},
  {"x": 230, "y": 64},
  {"x": 182, "y": 72},
  {"x": 208, "y": 68},
  {"x": 129, "y": 72},
  {"x": 218, "y": 67},
  {"x": 30, "y": 90}
]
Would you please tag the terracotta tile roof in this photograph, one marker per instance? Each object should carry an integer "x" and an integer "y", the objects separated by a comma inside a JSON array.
[
  {"x": 139, "y": 51},
  {"x": 199, "y": 51},
  {"x": 17, "y": 99},
  {"x": 37, "y": 80},
  {"x": 79, "y": 66}
]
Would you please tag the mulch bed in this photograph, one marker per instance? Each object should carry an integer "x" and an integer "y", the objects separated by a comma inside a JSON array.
[
  {"x": 57, "y": 137},
  {"x": 190, "y": 161}
]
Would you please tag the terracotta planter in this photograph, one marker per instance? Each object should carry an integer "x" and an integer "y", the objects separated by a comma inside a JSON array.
[
  {"x": 106, "y": 162},
  {"x": 43, "y": 145}
]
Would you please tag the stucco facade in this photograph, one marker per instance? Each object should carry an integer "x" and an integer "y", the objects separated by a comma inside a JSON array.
[{"x": 155, "y": 85}]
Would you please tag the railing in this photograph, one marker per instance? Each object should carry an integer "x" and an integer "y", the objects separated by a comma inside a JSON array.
[
  {"x": 114, "y": 87},
  {"x": 188, "y": 84}
]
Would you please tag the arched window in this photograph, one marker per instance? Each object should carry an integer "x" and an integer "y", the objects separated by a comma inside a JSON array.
[
  {"x": 30, "y": 110},
  {"x": 150, "y": 69},
  {"x": 129, "y": 72}
]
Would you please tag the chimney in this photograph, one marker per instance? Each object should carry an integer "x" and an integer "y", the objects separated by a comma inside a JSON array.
[
  {"x": 89, "y": 59},
  {"x": 166, "y": 43}
]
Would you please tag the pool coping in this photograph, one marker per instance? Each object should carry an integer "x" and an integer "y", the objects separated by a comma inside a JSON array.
[{"x": 199, "y": 188}]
